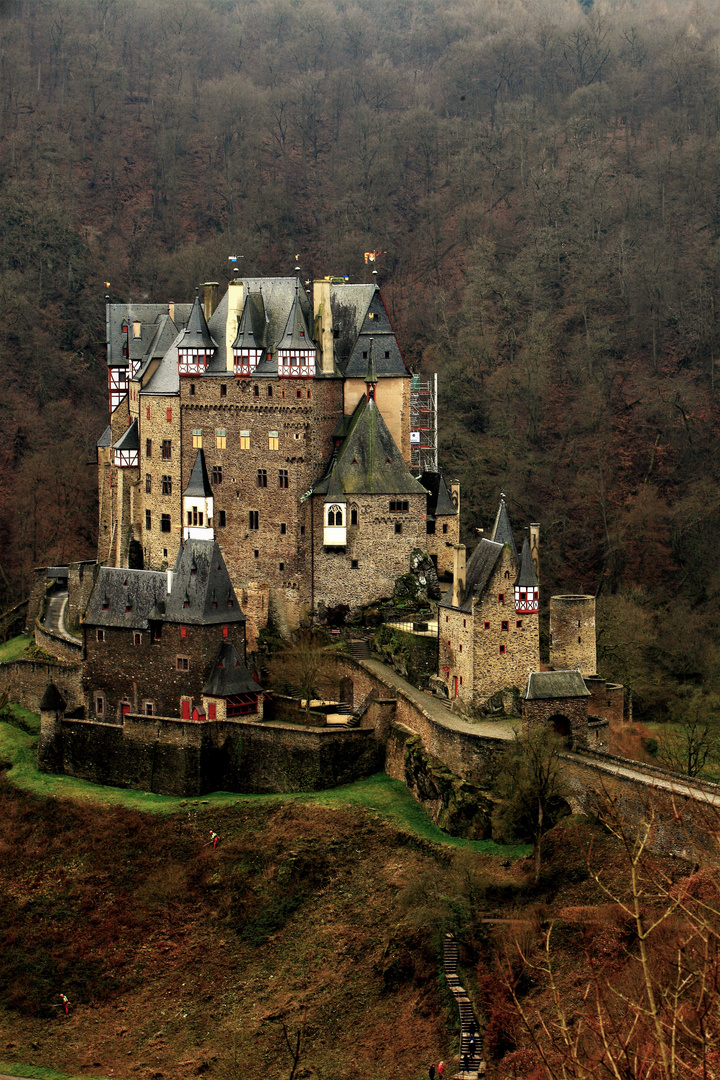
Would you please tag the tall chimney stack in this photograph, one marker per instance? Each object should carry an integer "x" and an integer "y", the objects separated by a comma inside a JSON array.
[
  {"x": 210, "y": 300},
  {"x": 458, "y": 590},
  {"x": 535, "y": 546},
  {"x": 323, "y": 329}
]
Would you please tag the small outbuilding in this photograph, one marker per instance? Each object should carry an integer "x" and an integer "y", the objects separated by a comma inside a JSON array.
[{"x": 558, "y": 699}]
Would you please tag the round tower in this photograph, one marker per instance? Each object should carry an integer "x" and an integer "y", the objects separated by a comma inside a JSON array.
[{"x": 572, "y": 634}]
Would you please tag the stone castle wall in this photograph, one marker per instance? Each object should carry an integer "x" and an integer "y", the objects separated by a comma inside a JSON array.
[
  {"x": 572, "y": 634},
  {"x": 25, "y": 682},
  {"x": 159, "y": 548}
]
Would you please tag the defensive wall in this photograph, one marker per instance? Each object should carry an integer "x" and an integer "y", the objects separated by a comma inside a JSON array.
[
  {"x": 61, "y": 647},
  {"x": 26, "y": 681}
]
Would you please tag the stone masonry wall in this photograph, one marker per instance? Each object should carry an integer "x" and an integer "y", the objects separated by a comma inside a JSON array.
[
  {"x": 57, "y": 646},
  {"x": 574, "y": 710},
  {"x": 25, "y": 682},
  {"x": 572, "y": 634},
  {"x": 440, "y": 544},
  {"x": 495, "y": 670},
  {"x": 81, "y": 579},
  {"x": 38, "y": 588},
  {"x": 337, "y": 581},
  {"x": 125, "y": 672},
  {"x": 304, "y": 412},
  {"x": 159, "y": 548},
  {"x": 607, "y": 699}
]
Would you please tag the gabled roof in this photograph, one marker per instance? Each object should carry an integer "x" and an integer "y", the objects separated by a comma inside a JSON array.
[
  {"x": 478, "y": 572},
  {"x": 130, "y": 439},
  {"x": 117, "y": 589},
  {"x": 440, "y": 502},
  {"x": 502, "y": 529},
  {"x": 147, "y": 316},
  {"x": 165, "y": 333},
  {"x": 199, "y": 482},
  {"x": 202, "y": 593},
  {"x": 349, "y": 305},
  {"x": 106, "y": 437},
  {"x": 296, "y": 334},
  {"x": 544, "y": 685},
  {"x": 527, "y": 578},
  {"x": 252, "y": 325},
  {"x": 196, "y": 334},
  {"x": 229, "y": 676},
  {"x": 165, "y": 380},
  {"x": 369, "y": 462},
  {"x": 386, "y": 351}
]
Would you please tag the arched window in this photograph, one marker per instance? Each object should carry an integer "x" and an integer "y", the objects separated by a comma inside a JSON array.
[{"x": 334, "y": 515}]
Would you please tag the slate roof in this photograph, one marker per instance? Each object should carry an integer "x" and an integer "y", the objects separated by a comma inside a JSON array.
[
  {"x": 199, "y": 482},
  {"x": 252, "y": 324},
  {"x": 165, "y": 333},
  {"x": 196, "y": 334},
  {"x": 147, "y": 315},
  {"x": 502, "y": 529},
  {"x": 229, "y": 676},
  {"x": 200, "y": 580},
  {"x": 527, "y": 578},
  {"x": 165, "y": 380},
  {"x": 117, "y": 589},
  {"x": 130, "y": 439},
  {"x": 106, "y": 437},
  {"x": 440, "y": 502},
  {"x": 376, "y": 326},
  {"x": 478, "y": 572},
  {"x": 296, "y": 334},
  {"x": 368, "y": 461},
  {"x": 349, "y": 305},
  {"x": 548, "y": 685}
]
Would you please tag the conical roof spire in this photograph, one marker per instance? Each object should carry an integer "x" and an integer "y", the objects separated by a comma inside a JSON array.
[
  {"x": 199, "y": 482},
  {"x": 197, "y": 335},
  {"x": 297, "y": 335},
  {"x": 527, "y": 578},
  {"x": 502, "y": 529}
]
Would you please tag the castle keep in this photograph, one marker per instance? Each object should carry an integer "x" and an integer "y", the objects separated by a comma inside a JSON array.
[{"x": 302, "y": 411}]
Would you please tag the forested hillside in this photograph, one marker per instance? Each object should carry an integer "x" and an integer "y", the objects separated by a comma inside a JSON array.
[{"x": 545, "y": 180}]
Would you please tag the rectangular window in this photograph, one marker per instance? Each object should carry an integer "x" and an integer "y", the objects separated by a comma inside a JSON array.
[
  {"x": 354, "y": 564},
  {"x": 166, "y": 453},
  {"x": 519, "y": 624},
  {"x": 137, "y": 330},
  {"x": 501, "y": 598},
  {"x": 168, "y": 415},
  {"x": 148, "y": 520},
  {"x": 192, "y": 389},
  {"x": 148, "y": 708},
  {"x": 273, "y": 440},
  {"x": 256, "y": 553},
  {"x": 221, "y": 519},
  {"x": 353, "y": 517},
  {"x": 223, "y": 389},
  {"x": 269, "y": 391},
  {"x": 504, "y": 626},
  {"x": 197, "y": 438},
  {"x": 182, "y": 663},
  {"x": 398, "y": 527},
  {"x": 100, "y": 635},
  {"x": 220, "y": 438},
  {"x": 167, "y": 485},
  {"x": 283, "y": 478},
  {"x": 147, "y": 413},
  {"x": 148, "y": 448},
  {"x": 281, "y": 566},
  {"x": 217, "y": 474},
  {"x": 399, "y": 506},
  {"x": 444, "y": 528},
  {"x": 244, "y": 440},
  {"x": 148, "y": 484},
  {"x": 299, "y": 393},
  {"x": 486, "y": 625},
  {"x": 99, "y": 705},
  {"x": 502, "y": 650},
  {"x": 431, "y": 528},
  {"x": 254, "y": 519},
  {"x": 460, "y": 648},
  {"x": 256, "y": 390},
  {"x": 283, "y": 528},
  {"x": 165, "y": 524},
  {"x": 262, "y": 477},
  {"x": 137, "y": 639}
]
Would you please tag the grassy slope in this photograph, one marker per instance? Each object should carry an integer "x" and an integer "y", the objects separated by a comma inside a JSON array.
[{"x": 10, "y": 650}]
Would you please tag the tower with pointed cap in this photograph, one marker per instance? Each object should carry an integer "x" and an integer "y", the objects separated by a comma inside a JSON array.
[
  {"x": 488, "y": 628},
  {"x": 198, "y": 503}
]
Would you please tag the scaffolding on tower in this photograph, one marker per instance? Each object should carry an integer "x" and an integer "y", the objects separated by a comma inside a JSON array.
[{"x": 423, "y": 424}]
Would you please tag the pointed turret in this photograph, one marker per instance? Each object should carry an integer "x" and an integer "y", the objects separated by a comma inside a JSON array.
[
  {"x": 502, "y": 529},
  {"x": 296, "y": 353},
  {"x": 248, "y": 345},
  {"x": 196, "y": 345},
  {"x": 527, "y": 587},
  {"x": 198, "y": 503}
]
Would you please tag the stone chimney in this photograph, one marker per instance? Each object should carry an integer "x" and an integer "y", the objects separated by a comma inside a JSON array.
[
  {"x": 236, "y": 299},
  {"x": 535, "y": 546},
  {"x": 458, "y": 575},
  {"x": 455, "y": 494},
  {"x": 210, "y": 301},
  {"x": 323, "y": 328},
  {"x": 171, "y": 310}
]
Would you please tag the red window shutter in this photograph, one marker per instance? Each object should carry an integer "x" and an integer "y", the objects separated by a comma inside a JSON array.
[
  {"x": 186, "y": 710},
  {"x": 211, "y": 710},
  {"x": 183, "y": 631},
  {"x": 225, "y": 631},
  {"x": 168, "y": 415}
]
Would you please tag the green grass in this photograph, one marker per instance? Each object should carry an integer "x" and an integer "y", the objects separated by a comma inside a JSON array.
[
  {"x": 37, "y": 1072},
  {"x": 378, "y": 794},
  {"x": 13, "y": 648}
]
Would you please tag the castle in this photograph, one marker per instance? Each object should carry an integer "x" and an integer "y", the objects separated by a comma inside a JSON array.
[{"x": 257, "y": 464}]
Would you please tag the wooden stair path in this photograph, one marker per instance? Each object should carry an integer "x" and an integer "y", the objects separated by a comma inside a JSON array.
[
  {"x": 471, "y": 1066},
  {"x": 360, "y": 649}
]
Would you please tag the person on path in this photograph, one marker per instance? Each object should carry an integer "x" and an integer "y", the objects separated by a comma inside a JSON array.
[
  {"x": 214, "y": 839},
  {"x": 431, "y": 1072},
  {"x": 65, "y": 1003},
  {"x": 441, "y": 1070}
]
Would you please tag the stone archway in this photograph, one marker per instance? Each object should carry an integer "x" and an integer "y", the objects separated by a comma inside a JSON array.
[{"x": 562, "y": 727}]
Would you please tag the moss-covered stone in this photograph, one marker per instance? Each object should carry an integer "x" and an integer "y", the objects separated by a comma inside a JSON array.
[{"x": 456, "y": 806}]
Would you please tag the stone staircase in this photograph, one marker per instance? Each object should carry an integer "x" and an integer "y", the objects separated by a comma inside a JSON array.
[
  {"x": 360, "y": 649},
  {"x": 471, "y": 1065}
]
